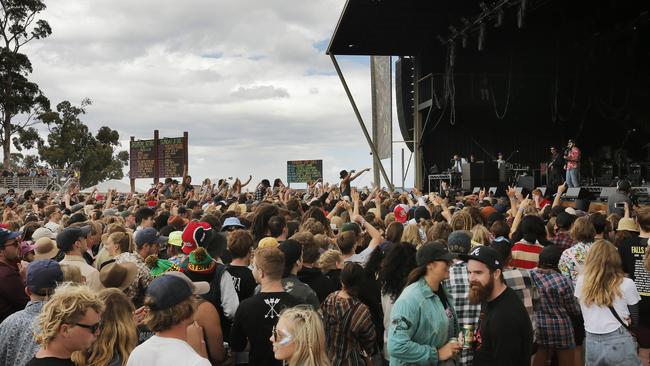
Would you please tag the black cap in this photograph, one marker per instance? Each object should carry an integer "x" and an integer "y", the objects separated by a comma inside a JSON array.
[
  {"x": 489, "y": 256},
  {"x": 66, "y": 239},
  {"x": 431, "y": 251}
]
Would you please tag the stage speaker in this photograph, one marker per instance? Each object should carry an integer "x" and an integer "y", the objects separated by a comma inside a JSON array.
[
  {"x": 606, "y": 192},
  {"x": 403, "y": 92},
  {"x": 468, "y": 177},
  {"x": 576, "y": 193},
  {"x": 526, "y": 181}
]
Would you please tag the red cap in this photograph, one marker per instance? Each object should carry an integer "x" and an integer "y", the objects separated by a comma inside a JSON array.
[
  {"x": 152, "y": 203},
  {"x": 195, "y": 234},
  {"x": 401, "y": 213}
]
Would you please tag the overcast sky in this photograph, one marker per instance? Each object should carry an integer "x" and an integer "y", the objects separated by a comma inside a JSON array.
[{"x": 249, "y": 80}]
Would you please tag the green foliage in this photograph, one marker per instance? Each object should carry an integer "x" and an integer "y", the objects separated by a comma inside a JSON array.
[
  {"x": 71, "y": 145},
  {"x": 19, "y": 96}
]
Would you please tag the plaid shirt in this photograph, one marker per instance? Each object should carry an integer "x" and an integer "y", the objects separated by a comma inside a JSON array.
[
  {"x": 572, "y": 261},
  {"x": 520, "y": 281},
  {"x": 260, "y": 192},
  {"x": 563, "y": 240},
  {"x": 557, "y": 306},
  {"x": 458, "y": 287}
]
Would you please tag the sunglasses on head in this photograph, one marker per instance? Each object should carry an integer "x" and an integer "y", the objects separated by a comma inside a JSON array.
[{"x": 280, "y": 338}]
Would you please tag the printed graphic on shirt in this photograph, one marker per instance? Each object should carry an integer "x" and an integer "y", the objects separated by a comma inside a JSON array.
[
  {"x": 272, "y": 303},
  {"x": 641, "y": 275},
  {"x": 236, "y": 281},
  {"x": 402, "y": 324}
]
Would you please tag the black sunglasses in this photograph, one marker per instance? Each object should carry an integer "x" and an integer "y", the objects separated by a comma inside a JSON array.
[{"x": 92, "y": 328}]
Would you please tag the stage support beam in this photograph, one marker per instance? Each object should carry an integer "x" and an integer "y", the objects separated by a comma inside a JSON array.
[
  {"x": 375, "y": 155},
  {"x": 417, "y": 131}
]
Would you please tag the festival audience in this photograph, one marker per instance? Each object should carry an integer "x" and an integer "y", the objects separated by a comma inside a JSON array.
[{"x": 294, "y": 244}]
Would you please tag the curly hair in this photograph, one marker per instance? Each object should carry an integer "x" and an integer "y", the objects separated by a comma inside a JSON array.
[
  {"x": 308, "y": 331},
  {"x": 119, "y": 331},
  {"x": 68, "y": 305},
  {"x": 312, "y": 226},
  {"x": 461, "y": 220},
  {"x": 328, "y": 260},
  {"x": 395, "y": 268}
]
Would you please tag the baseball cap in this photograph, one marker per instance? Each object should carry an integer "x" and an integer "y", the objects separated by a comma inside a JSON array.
[
  {"x": 8, "y": 235},
  {"x": 43, "y": 275},
  {"x": 172, "y": 288},
  {"x": 350, "y": 226},
  {"x": 195, "y": 234},
  {"x": 149, "y": 235},
  {"x": 433, "y": 251},
  {"x": 43, "y": 232},
  {"x": 489, "y": 256},
  {"x": 459, "y": 241},
  {"x": 401, "y": 213},
  {"x": 66, "y": 238},
  {"x": 175, "y": 238}
]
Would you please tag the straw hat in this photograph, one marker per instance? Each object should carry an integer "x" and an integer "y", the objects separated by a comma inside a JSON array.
[
  {"x": 627, "y": 224},
  {"x": 45, "y": 248}
]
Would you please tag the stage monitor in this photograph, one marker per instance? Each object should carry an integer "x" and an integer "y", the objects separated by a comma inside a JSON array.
[
  {"x": 493, "y": 191},
  {"x": 476, "y": 190}
]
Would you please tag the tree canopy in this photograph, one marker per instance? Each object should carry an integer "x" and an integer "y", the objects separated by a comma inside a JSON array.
[
  {"x": 71, "y": 145},
  {"x": 18, "y": 95}
]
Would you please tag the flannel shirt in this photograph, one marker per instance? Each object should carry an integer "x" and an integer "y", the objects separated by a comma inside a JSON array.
[
  {"x": 348, "y": 329},
  {"x": 520, "y": 281},
  {"x": 458, "y": 287},
  {"x": 563, "y": 240},
  {"x": 572, "y": 261},
  {"x": 557, "y": 306},
  {"x": 260, "y": 192}
]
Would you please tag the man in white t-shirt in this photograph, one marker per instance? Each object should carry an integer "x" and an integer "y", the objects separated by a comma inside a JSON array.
[{"x": 170, "y": 301}]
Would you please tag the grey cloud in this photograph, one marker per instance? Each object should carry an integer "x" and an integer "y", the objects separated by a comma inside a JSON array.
[{"x": 260, "y": 92}]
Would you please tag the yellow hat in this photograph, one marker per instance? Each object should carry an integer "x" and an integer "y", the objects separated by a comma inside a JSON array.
[
  {"x": 627, "y": 224},
  {"x": 175, "y": 238}
]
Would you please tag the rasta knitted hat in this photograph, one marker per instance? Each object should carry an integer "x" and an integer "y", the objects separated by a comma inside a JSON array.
[
  {"x": 200, "y": 262},
  {"x": 159, "y": 266}
]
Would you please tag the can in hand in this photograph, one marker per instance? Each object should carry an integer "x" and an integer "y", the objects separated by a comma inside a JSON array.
[{"x": 468, "y": 336}]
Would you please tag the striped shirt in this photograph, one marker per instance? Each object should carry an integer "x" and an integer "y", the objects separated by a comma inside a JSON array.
[
  {"x": 348, "y": 329},
  {"x": 525, "y": 255}
]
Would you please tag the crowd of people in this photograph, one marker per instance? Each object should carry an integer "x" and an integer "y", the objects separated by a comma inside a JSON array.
[{"x": 328, "y": 275}]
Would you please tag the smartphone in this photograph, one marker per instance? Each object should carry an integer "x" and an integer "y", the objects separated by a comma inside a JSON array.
[{"x": 619, "y": 205}]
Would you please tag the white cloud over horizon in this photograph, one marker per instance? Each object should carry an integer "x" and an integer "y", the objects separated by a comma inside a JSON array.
[{"x": 248, "y": 80}]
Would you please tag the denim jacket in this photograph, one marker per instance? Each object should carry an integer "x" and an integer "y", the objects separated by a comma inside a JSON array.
[{"x": 419, "y": 326}]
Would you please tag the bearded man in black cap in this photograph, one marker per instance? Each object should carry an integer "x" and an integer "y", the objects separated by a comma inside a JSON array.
[{"x": 505, "y": 334}]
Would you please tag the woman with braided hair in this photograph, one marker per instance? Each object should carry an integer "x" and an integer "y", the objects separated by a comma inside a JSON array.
[{"x": 299, "y": 338}]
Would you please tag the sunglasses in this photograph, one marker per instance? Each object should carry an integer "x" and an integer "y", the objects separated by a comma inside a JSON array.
[
  {"x": 92, "y": 328},
  {"x": 280, "y": 337}
]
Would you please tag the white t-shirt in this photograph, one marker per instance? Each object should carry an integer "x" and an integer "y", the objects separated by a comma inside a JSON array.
[
  {"x": 161, "y": 351},
  {"x": 598, "y": 319}
]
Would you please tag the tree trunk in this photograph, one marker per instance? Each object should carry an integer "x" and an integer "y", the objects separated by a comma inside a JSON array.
[{"x": 6, "y": 140}]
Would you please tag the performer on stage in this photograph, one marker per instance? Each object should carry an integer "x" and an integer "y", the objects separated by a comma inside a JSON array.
[
  {"x": 572, "y": 157},
  {"x": 457, "y": 171},
  {"x": 500, "y": 160},
  {"x": 555, "y": 171}
]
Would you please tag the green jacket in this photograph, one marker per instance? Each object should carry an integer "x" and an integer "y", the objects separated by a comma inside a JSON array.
[{"x": 419, "y": 326}]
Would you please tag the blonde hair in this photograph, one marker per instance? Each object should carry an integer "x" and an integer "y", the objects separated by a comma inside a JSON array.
[
  {"x": 328, "y": 260},
  {"x": 119, "y": 332},
  {"x": 411, "y": 235},
  {"x": 122, "y": 240},
  {"x": 603, "y": 275},
  {"x": 72, "y": 274},
  {"x": 461, "y": 220},
  {"x": 481, "y": 235},
  {"x": 68, "y": 305},
  {"x": 308, "y": 331}
]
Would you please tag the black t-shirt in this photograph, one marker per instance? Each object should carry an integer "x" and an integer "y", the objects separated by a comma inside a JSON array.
[
  {"x": 632, "y": 253},
  {"x": 50, "y": 361},
  {"x": 254, "y": 321},
  {"x": 505, "y": 334},
  {"x": 243, "y": 280},
  {"x": 318, "y": 282}
]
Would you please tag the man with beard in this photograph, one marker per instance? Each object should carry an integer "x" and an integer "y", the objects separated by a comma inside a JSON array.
[
  {"x": 505, "y": 334},
  {"x": 12, "y": 293}
]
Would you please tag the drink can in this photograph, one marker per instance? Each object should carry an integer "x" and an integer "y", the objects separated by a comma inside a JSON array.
[{"x": 468, "y": 335}]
